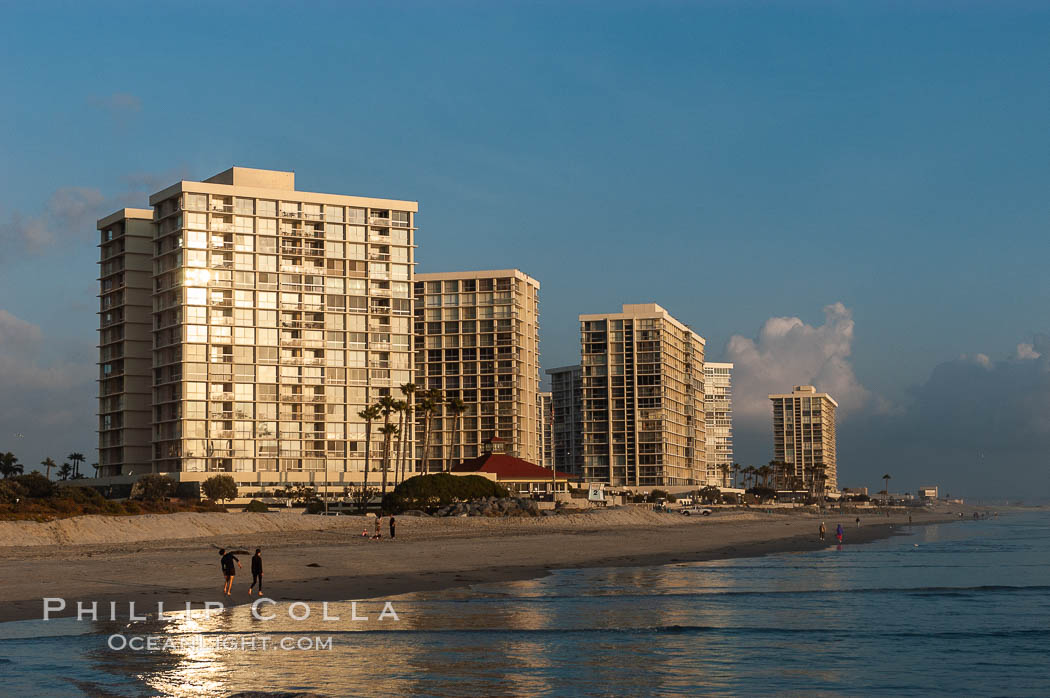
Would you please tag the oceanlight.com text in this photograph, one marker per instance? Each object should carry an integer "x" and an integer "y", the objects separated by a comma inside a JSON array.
[{"x": 228, "y": 643}]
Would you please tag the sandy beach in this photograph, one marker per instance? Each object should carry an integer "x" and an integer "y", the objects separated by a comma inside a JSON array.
[{"x": 173, "y": 558}]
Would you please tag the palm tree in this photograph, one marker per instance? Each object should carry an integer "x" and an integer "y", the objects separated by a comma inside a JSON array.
[
  {"x": 409, "y": 391},
  {"x": 736, "y": 472},
  {"x": 65, "y": 471},
  {"x": 387, "y": 406},
  {"x": 95, "y": 466},
  {"x": 886, "y": 479},
  {"x": 387, "y": 430},
  {"x": 369, "y": 414},
  {"x": 457, "y": 407},
  {"x": 764, "y": 472},
  {"x": 76, "y": 458},
  {"x": 820, "y": 474},
  {"x": 401, "y": 407},
  {"x": 9, "y": 465},
  {"x": 48, "y": 464},
  {"x": 427, "y": 406},
  {"x": 406, "y": 440},
  {"x": 725, "y": 468}
]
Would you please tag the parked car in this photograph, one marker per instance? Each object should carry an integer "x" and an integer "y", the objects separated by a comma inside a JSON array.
[{"x": 695, "y": 511}]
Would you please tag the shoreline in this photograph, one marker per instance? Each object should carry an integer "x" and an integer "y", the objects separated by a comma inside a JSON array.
[{"x": 337, "y": 564}]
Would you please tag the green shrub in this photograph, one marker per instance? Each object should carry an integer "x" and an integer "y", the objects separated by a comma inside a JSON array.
[
  {"x": 257, "y": 507},
  {"x": 10, "y": 491},
  {"x": 219, "y": 487},
  {"x": 131, "y": 507},
  {"x": 83, "y": 496},
  {"x": 35, "y": 485},
  {"x": 763, "y": 494},
  {"x": 314, "y": 507},
  {"x": 428, "y": 492},
  {"x": 153, "y": 488}
]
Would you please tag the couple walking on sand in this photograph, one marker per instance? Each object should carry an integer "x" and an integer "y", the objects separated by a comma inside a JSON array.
[
  {"x": 838, "y": 532},
  {"x": 227, "y": 560},
  {"x": 379, "y": 527}
]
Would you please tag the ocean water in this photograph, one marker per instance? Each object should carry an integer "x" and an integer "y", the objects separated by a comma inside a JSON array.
[{"x": 960, "y": 608}]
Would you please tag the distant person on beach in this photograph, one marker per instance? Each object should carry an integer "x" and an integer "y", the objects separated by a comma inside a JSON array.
[
  {"x": 858, "y": 522},
  {"x": 393, "y": 523},
  {"x": 226, "y": 561},
  {"x": 909, "y": 519},
  {"x": 839, "y": 533},
  {"x": 823, "y": 530},
  {"x": 256, "y": 571},
  {"x": 379, "y": 527}
]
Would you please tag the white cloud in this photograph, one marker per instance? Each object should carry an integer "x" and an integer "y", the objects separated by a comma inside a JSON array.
[
  {"x": 49, "y": 401},
  {"x": 23, "y": 365},
  {"x": 789, "y": 352},
  {"x": 68, "y": 212},
  {"x": 1027, "y": 351},
  {"x": 117, "y": 103}
]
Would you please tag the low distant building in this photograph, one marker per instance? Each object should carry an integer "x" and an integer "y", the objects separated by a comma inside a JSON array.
[
  {"x": 928, "y": 492},
  {"x": 517, "y": 475},
  {"x": 854, "y": 491}
]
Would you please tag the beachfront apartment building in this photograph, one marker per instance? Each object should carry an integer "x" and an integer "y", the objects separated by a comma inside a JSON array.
[
  {"x": 277, "y": 315},
  {"x": 477, "y": 339},
  {"x": 567, "y": 418},
  {"x": 718, "y": 413},
  {"x": 804, "y": 438},
  {"x": 546, "y": 429},
  {"x": 125, "y": 324},
  {"x": 643, "y": 399}
]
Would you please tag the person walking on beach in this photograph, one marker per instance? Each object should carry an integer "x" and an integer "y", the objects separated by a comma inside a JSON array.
[
  {"x": 379, "y": 527},
  {"x": 393, "y": 523},
  {"x": 823, "y": 530},
  {"x": 256, "y": 571},
  {"x": 839, "y": 532},
  {"x": 226, "y": 561},
  {"x": 858, "y": 522}
]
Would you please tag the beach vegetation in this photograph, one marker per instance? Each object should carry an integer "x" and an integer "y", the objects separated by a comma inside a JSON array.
[
  {"x": 762, "y": 493},
  {"x": 710, "y": 495},
  {"x": 256, "y": 507},
  {"x": 219, "y": 488},
  {"x": 431, "y": 492},
  {"x": 360, "y": 496},
  {"x": 296, "y": 494},
  {"x": 34, "y": 497},
  {"x": 153, "y": 488}
]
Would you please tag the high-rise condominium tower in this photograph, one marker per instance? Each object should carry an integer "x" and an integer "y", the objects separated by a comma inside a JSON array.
[
  {"x": 125, "y": 324},
  {"x": 277, "y": 316},
  {"x": 718, "y": 410},
  {"x": 567, "y": 414},
  {"x": 643, "y": 399},
  {"x": 477, "y": 339},
  {"x": 546, "y": 429},
  {"x": 804, "y": 437}
]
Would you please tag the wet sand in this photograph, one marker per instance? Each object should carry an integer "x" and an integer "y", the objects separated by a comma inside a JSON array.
[{"x": 333, "y": 562}]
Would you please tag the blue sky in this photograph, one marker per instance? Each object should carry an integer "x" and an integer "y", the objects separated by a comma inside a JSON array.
[{"x": 735, "y": 162}]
